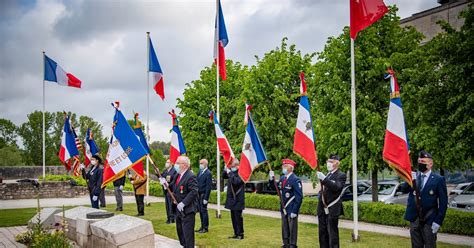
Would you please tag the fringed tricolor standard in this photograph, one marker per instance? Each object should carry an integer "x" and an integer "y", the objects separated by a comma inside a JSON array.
[
  {"x": 90, "y": 147},
  {"x": 222, "y": 142},
  {"x": 177, "y": 147},
  {"x": 68, "y": 147}
]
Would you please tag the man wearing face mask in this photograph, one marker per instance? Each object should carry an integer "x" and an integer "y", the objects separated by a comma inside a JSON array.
[
  {"x": 185, "y": 189},
  {"x": 427, "y": 203},
  {"x": 235, "y": 201},
  {"x": 168, "y": 174},
  {"x": 204, "y": 179},
  {"x": 291, "y": 199},
  {"x": 330, "y": 203},
  {"x": 94, "y": 179}
]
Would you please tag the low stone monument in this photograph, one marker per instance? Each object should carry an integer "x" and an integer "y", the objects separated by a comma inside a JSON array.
[
  {"x": 71, "y": 217},
  {"x": 46, "y": 217},
  {"x": 122, "y": 231}
]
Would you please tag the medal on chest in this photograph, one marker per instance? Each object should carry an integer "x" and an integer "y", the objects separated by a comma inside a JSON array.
[{"x": 181, "y": 189}]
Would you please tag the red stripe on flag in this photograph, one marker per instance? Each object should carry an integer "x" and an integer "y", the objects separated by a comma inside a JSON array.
[
  {"x": 225, "y": 151},
  {"x": 395, "y": 151},
  {"x": 138, "y": 168},
  {"x": 245, "y": 170},
  {"x": 222, "y": 67},
  {"x": 304, "y": 147},
  {"x": 73, "y": 81},
  {"x": 160, "y": 88},
  {"x": 174, "y": 154}
]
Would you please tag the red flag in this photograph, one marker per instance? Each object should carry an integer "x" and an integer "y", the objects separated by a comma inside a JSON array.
[{"x": 364, "y": 13}]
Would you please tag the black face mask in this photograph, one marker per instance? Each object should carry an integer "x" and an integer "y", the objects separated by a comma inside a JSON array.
[{"x": 422, "y": 167}]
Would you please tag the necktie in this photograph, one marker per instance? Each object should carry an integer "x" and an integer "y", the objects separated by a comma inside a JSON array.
[
  {"x": 178, "y": 179},
  {"x": 423, "y": 181},
  {"x": 284, "y": 182}
]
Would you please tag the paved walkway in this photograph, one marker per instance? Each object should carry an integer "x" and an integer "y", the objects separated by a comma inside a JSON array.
[{"x": 347, "y": 224}]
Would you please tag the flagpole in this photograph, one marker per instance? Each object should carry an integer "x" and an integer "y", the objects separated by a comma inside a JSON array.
[
  {"x": 218, "y": 164},
  {"x": 148, "y": 114},
  {"x": 44, "y": 126},
  {"x": 355, "y": 234}
]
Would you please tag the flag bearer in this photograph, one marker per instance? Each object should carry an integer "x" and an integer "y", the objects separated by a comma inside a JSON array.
[
  {"x": 139, "y": 186},
  {"x": 291, "y": 198},
  {"x": 168, "y": 174},
  {"x": 235, "y": 201},
  {"x": 94, "y": 179}
]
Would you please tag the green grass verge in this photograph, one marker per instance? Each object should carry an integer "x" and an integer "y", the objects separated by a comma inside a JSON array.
[{"x": 259, "y": 231}]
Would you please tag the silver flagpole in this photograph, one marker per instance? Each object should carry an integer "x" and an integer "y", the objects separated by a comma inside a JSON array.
[
  {"x": 355, "y": 234},
  {"x": 44, "y": 125},
  {"x": 218, "y": 164},
  {"x": 148, "y": 115}
]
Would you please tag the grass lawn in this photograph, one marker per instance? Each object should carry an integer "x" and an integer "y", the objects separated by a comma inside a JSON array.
[{"x": 259, "y": 231}]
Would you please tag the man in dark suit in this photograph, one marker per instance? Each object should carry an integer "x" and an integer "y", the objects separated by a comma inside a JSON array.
[
  {"x": 235, "y": 201},
  {"x": 94, "y": 179},
  {"x": 118, "y": 191},
  {"x": 204, "y": 179},
  {"x": 330, "y": 203},
  {"x": 427, "y": 203},
  {"x": 291, "y": 197},
  {"x": 168, "y": 174},
  {"x": 185, "y": 189}
]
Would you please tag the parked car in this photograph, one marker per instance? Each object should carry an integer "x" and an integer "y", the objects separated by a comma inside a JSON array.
[
  {"x": 260, "y": 187},
  {"x": 347, "y": 195},
  {"x": 390, "y": 192},
  {"x": 457, "y": 190},
  {"x": 465, "y": 200}
]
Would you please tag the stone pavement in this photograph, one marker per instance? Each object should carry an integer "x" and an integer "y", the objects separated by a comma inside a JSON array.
[{"x": 347, "y": 224}]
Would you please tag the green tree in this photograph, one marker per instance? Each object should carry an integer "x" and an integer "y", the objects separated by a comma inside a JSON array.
[
  {"x": 10, "y": 155},
  {"x": 8, "y": 133},
  {"x": 31, "y": 133},
  {"x": 161, "y": 145}
]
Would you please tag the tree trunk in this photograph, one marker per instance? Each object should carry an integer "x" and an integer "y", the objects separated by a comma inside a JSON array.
[{"x": 375, "y": 188}]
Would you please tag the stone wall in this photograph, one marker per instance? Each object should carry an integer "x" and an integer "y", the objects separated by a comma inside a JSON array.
[
  {"x": 19, "y": 172},
  {"x": 26, "y": 190}
]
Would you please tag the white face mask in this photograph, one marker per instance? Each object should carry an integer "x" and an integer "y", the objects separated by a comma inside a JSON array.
[
  {"x": 330, "y": 166},
  {"x": 94, "y": 162},
  {"x": 202, "y": 167},
  {"x": 167, "y": 165}
]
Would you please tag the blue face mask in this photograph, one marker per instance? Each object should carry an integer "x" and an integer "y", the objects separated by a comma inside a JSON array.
[
  {"x": 176, "y": 168},
  {"x": 234, "y": 169},
  {"x": 284, "y": 171}
]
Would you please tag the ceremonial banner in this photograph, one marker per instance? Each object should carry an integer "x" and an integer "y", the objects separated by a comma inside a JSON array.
[
  {"x": 177, "y": 147},
  {"x": 68, "y": 147},
  {"x": 90, "y": 147},
  {"x": 222, "y": 143}
]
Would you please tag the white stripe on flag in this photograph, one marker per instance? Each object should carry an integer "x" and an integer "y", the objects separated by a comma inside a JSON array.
[
  {"x": 118, "y": 159},
  {"x": 302, "y": 122},
  {"x": 396, "y": 122},
  {"x": 249, "y": 152},
  {"x": 61, "y": 76}
]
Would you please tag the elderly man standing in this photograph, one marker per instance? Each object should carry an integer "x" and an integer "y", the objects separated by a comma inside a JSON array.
[
  {"x": 204, "y": 179},
  {"x": 235, "y": 201},
  {"x": 330, "y": 203},
  {"x": 427, "y": 203},
  {"x": 168, "y": 174},
  {"x": 185, "y": 189},
  {"x": 291, "y": 199}
]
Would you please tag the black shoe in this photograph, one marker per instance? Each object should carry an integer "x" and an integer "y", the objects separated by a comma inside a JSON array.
[
  {"x": 233, "y": 237},
  {"x": 168, "y": 221},
  {"x": 173, "y": 221},
  {"x": 239, "y": 237},
  {"x": 200, "y": 229},
  {"x": 116, "y": 209},
  {"x": 204, "y": 230}
]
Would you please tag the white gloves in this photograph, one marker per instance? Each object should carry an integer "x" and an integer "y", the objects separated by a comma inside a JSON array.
[
  {"x": 130, "y": 176},
  {"x": 435, "y": 227},
  {"x": 204, "y": 202},
  {"x": 180, "y": 206},
  {"x": 293, "y": 215},
  {"x": 121, "y": 187},
  {"x": 163, "y": 182},
  {"x": 413, "y": 175},
  {"x": 81, "y": 166},
  {"x": 271, "y": 174},
  {"x": 95, "y": 198},
  {"x": 227, "y": 170},
  {"x": 321, "y": 175}
]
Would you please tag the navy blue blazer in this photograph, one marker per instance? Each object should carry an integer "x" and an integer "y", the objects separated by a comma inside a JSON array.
[
  {"x": 94, "y": 179},
  {"x": 235, "y": 191},
  {"x": 433, "y": 199},
  {"x": 291, "y": 193},
  {"x": 205, "y": 184},
  {"x": 186, "y": 191}
]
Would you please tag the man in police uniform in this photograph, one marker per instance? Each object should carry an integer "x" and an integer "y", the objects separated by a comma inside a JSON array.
[
  {"x": 427, "y": 203},
  {"x": 330, "y": 203},
  {"x": 185, "y": 189},
  {"x": 204, "y": 179},
  {"x": 168, "y": 174},
  {"x": 235, "y": 201},
  {"x": 291, "y": 199}
]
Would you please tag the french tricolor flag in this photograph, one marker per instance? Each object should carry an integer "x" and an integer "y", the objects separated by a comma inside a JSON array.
[
  {"x": 68, "y": 147},
  {"x": 222, "y": 143},
  {"x": 54, "y": 73},
  {"x": 220, "y": 41},
  {"x": 303, "y": 144},
  {"x": 90, "y": 147},
  {"x": 177, "y": 147},
  {"x": 253, "y": 153},
  {"x": 155, "y": 71},
  {"x": 396, "y": 146}
]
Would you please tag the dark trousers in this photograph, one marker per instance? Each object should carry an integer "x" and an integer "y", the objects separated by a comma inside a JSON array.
[
  {"x": 118, "y": 197},
  {"x": 328, "y": 231},
  {"x": 185, "y": 229},
  {"x": 237, "y": 221},
  {"x": 102, "y": 198},
  {"x": 422, "y": 235},
  {"x": 203, "y": 214},
  {"x": 170, "y": 214},
  {"x": 95, "y": 204},
  {"x": 140, "y": 203},
  {"x": 289, "y": 230}
]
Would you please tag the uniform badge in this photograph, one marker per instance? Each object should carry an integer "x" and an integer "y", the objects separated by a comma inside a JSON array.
[
  {"x": 168, "y": 178},
  {"x": 431, "y": 192},
  {"x": 181, "y": 189},
  {"x": 287, "y": 195}
]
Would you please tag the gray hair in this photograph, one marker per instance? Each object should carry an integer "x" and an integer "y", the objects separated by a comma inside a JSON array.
[{"x": 185, "y": 160}]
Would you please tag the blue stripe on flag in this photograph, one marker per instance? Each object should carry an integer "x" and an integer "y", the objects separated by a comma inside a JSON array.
[
  {"x": 182, "y": 148},
  {"x": 153, "y": 64},
  {"x": 50, "y": 69},
  {"x": 127, "y": 138},
  {"x": 222, "y": 29},
  {"x": 70, "y": 140},
  {"x": 256, "y": 143}
]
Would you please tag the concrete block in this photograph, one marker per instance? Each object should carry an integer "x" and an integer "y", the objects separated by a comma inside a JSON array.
[
  {"x": 71, "y": 217},
  {"x": 46, "y": 217}
]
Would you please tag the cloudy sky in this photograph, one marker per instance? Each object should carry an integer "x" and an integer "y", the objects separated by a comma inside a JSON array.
[{"x": 103, "y": 43}]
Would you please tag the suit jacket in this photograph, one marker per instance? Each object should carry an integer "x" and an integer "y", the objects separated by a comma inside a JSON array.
[
  {"x": 139, "y": 184},
  {"x": 205, "y": 183},
  {"x": 236, "y": 186},
  {"x": 186, "y": 191},
  {"x": 291, "y": 193},
  {"x": 168, "y": 175},
  {"x": 120, "y": 181},
  {"x": 94, "y": 179},
  {"x": 433, "y": 200},
  {"x": 331, "y": 188}
]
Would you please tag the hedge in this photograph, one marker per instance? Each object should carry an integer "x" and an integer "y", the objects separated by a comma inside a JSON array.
[{"x": 455, "y": 222}]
